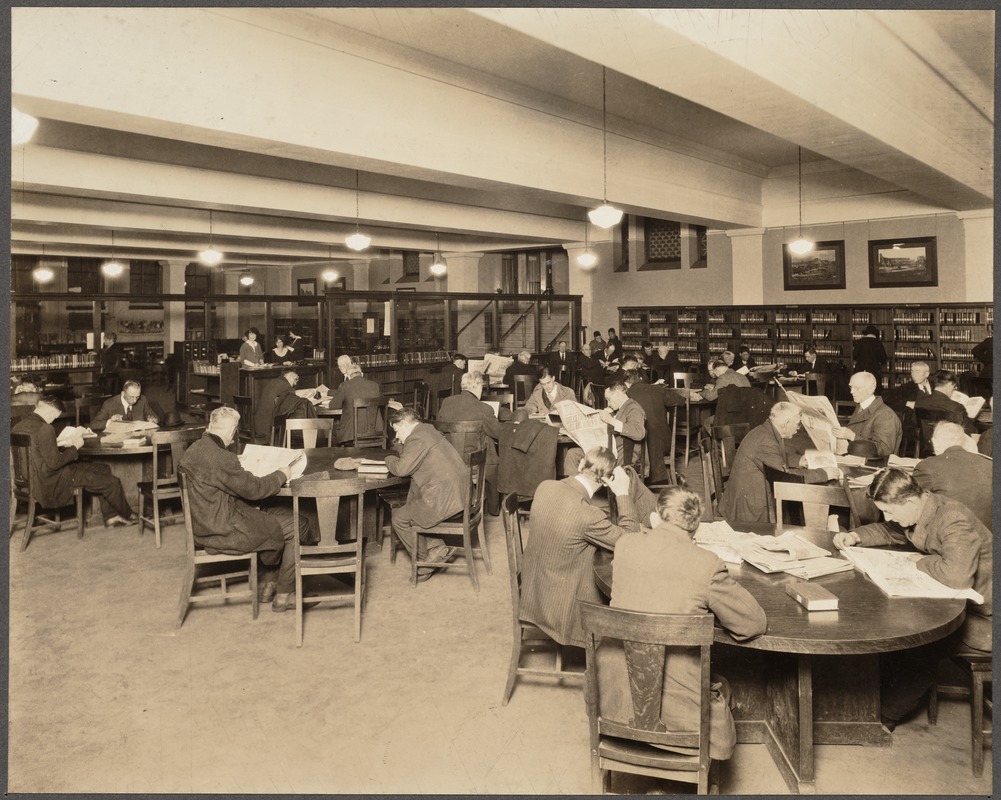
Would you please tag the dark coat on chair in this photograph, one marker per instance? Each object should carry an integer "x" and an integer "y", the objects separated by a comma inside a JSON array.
[
  {"x": 527, "y": 456},
  {"x": 746, "y": 496},
  {"x": 664, "y": 367},
  {"x": 655, "y": 401},
  {"x": 220, "y": 494},
  {"x": 939, "y": 401},
  {"x": 878, "y": 424},
  {"x": 736, "y": 404},
  {"x": 114, "y": 405},
  {"x": 961, "y": 476},
  {"x": 358, "y": 388},
  {"x": 51, "y": 484},
  {"x": 265, "y": 402},
  {"x": 438, "y": 476},
  {"x": 558, "y": 564}
]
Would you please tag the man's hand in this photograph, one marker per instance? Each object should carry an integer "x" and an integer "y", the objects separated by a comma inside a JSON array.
[
  {"x": 287, "y": 471},
  {"x": 909, "y": 404},
  {"x": 833, "y": 473},
  {"x": 606, "y": 416},
  {"x": 153, "y": 418},
  {"x": 847, "y": 539},
  {"x": 618, "y": 482},
  {"x": 115, "y": 418},
  {"x": 844, "y": 433}
]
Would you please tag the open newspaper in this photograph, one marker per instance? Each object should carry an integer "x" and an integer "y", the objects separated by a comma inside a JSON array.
[
  {"x": 973, "y": 405},
  {"x": 262, "y": 460},
  {"x": 495, "y": 366},
  {"x": 897, "y": 575},
  {"x": 583, "y": 424},
  {"x": 818, "y": 419}
]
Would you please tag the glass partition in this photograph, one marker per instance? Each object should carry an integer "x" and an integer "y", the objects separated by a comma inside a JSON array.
[
  {"x": 361, "y": 327},
  {"x": 474, "y": 325},
  {"x": 420, "y": 330},
  {"x": 556, "y": 324},
  {"x": 517, "y": 326}
]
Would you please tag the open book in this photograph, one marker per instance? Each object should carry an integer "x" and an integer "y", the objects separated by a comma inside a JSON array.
[
  {"x": 583, "y": 424},
  {"x": 261, "y": 460},
  {"x": 66, "y": 435},
  {"x": 818, "y": 419},
  {"x": 897, "y": 575},
  {"x": 973, "y": 405}
]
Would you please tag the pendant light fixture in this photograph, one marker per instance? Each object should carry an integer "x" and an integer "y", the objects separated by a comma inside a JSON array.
[
  {"x": 605, "y": 215},
  {"x": 41, "y": 273},
  {"x": 357, "y": 240},
  {"x": 329, "y": 275},
  {"x": 801, "y": 246},
  {"x": 438, "y": 266},
  {"x": 587, "y": 259},
  {"x": 112, "y": 268},
  {"x": 22, "y": 127},
  {"x": 210, "y": 257}
]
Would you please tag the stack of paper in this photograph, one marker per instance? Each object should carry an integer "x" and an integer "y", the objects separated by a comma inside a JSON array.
[
  {"x": 899, "y": 462},
  {"x": 372, "y": 466},
  {"x": 719, "y": 538},
  {"x": 121, "y": 426},
  {"x": 817, "y": 567},
  {"x": 793, "y": 554}
]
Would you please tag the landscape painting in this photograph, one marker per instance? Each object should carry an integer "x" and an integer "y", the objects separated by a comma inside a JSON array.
[
  {"x": 821, "y": 268},
  {"x": 903, "y": 262}
]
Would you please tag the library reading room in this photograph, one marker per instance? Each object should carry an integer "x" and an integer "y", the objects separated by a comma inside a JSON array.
[{"x": 513, "y": 401}]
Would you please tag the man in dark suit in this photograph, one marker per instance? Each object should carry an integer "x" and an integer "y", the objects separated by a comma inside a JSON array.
[
  {"x": 944, "y": 384},
  {"x": 267, "y": 401},
  {"x": 811, "y": 363},
  {"x": 129, "y": 406},
  {"x": 355, "y": 387},
  {"x": 957, "y": 471},
  {"x": 872, "y": 421},
  {"x": 467, "y": 407},
  {"x": 453, "y": 373},
  {"x": 654, "y": 400},
  {"x": 112, "y": 355},
  {"x": 522, "y": 365},
  {"x": 597, "y": 344},
  {"x": 227, "y": 515},
  {"x": 614, "y": 339},
  {"x": 562, "y": 365},
  {"x": 55, "y": 473},
  {"x": 566, "y": 528},
  {"x": 438, "y": 479},
  {"x": 902, "y": 398},
  {"x": 664, "y": 363}
]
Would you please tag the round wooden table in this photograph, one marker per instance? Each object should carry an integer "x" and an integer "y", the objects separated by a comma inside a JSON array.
[{"x": 813, "y": 678}]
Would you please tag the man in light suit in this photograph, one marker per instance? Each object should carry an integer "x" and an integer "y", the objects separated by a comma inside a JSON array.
[
  {"x": 355, "y": 387},
  {"x": 438, "y": 484},
  {"x": 547, "y": 393},
  {"x": 957, "y": 471},
  {"x": 566, "y": 528},
  {"x": 872, "y": 421},
  {"x": 563, "y": 364},
  {"x": 129, "y": 406}
]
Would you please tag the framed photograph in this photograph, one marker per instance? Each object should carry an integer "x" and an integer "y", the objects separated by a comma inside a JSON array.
[
  {"x": 822, "y": 268},
  {"x": 903, "y": 262},
  {"x": 306, "y": 288}
]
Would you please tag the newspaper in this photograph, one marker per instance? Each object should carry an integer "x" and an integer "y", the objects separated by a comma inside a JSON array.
[
  {"x": 973, "y": 405},
  {"x": 897, "y": 575},
  {"x": 818, "y": 419},
  {"x": 583, "y": 424},
  {"x": 261, "y": 460},
  {"x": 495, "y": 366},
  {"x": 821, "y": 459}
]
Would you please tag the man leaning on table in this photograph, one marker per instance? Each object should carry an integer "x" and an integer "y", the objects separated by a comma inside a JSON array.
[
  {"x": 957, "y": 552},
  {"x": 129, "y": 406},
  {"x": 227, "y": 513},
  {"x": 872, "y": 421},
  {"x": 55, "y": 473}
]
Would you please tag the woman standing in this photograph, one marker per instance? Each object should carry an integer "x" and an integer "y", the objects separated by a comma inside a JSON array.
[
  {"x": 251, "y": 354},
  {"x": 280, "y": 354},
  {"x": 869, "y": 355}
]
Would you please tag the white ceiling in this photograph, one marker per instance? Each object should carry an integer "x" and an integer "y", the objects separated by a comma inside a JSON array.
[{"x": 717, "y": 88}]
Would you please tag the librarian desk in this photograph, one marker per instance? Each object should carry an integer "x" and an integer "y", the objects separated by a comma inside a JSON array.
[{"x": 813, "y": 678}]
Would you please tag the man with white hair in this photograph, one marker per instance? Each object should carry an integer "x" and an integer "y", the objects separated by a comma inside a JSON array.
[
  {"x": 522, "y": 365},
  {"x": 355, "y": 387},
  {"x": 957, "y": 471},
  {"x": 343, "y": 362},
  {"x": 872, "y": 421},
  {"x": 723, "y": 376},
  {"x": 746, "y": 496}
]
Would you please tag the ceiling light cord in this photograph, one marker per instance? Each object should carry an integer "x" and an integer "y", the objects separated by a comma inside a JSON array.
[{"x": 604, "y": 136}]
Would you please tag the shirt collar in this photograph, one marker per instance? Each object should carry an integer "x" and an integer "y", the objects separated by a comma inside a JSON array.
[
  {"x": 867, "y": 402},
  {"x": 586, "y": 484}
]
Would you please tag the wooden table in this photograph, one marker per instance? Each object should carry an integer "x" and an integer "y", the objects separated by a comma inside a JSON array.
[{"x": 813, "y": 678}]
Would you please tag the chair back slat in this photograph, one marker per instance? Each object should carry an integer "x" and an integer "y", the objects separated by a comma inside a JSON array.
[
  {"x": 465, "y": 436},
  {"x": 328, "y": 494},
  {"x": 174, "y": 443},
  {"x": 816, "y": 500},
  {"x": 371, "y": 422},
  {"x": 189, "y": 531},
  {"x": 522, "y": 389},
  {"x": 20, "y": 447},
  {"x": 422, "y": 399},
  {"x": 681, "y": 380},
  {"x": 476, "y": 461},
  {"x": 309, "y": 430}
]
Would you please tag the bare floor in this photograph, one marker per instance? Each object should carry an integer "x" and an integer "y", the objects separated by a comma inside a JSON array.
[{"x": 107, "y": 695}]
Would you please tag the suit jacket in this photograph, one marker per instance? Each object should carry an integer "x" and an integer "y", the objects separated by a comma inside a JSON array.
[
  {"x": 869, "y": 355},
  {"x": 665, "y": 367},
  {"x": 590, "y": 369},
  {"x": 737, "y": 404},
  {"x": 265, "y": 402},
  {"x": 112, "y": 357},
  {"x": 618, "y": 346},
  {"x": 898, "y": 397},
  {"x": 438, "y": 477},
  {"x": 51, "y": 468},
  {"x": 358, "y": 388},
  {"x": 557, "y": 568},
  {"x": 655, "y": 400},
  {"x": 536, "y": 403},
  {"x": 598, "y": 343},
  {"x": 221, "y": 492},
  {"x": 466, "y": 407},
  {"x": 878, "y": 424},
  {"x": 663, "y": 572},
  {"x": 960, "y": 476},
  {"x": 938, "y": 401},
  {"x": 527, "y": 456},
  {"x": 563, "y": 370},
  {"x": 820, "y": 365},
  {"x": 960, "y": 555},
  {"x": 114, "y": 405},
  {"x": 728, "y": 378},
  {"x": 452, "y": 377},
  {"x": 633, "y": 419},
  {"x": 517, "y": 368},
  {"x": 746, "y": 497}
]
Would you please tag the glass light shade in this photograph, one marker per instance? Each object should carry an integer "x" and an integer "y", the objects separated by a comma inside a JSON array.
[
  {"x": 329, "y": 275},
  {"x": 210, "y": 257},
  {"x": 22, "y": 127},
  {"x": 587, "y": 259},
  {"x": 43, "y": 274},
  {"x": 439, "y": 268},
  {"x": 801, "y": 246},
  {"x": 358, "y": 241},
  {"x": 605, "y": 216},
  {"x": 112, "y": 268},
  {"x": 246, "y": 280}
]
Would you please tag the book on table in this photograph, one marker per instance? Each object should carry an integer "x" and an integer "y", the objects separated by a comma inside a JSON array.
[
  {"x": 372, "y": 466},
  {"x": 812, "y": 597}
]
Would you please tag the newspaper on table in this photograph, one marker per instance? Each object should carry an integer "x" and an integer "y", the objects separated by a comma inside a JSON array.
[
  {"x": 821, "y": 459},
  {"x": 897, "y": 575},
  {"x": 719, "y": 538},
  {"x": 818, "y": 419},
  {"x": 261, "y": 460},
  {"x": 584, "y": 425}
]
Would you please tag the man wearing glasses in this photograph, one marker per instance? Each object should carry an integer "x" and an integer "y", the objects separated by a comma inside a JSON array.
[{"x": 129, "y": 406}]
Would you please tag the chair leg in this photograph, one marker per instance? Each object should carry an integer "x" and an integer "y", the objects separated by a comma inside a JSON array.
[
  {"x": 512, "y": 669},
  {"x": 977, "y": 722},
  {"x": 467, "y": 546},
  {"x": 141, "y": 502},
  {"x": 359, "y": 598},
  {"x": 298, "y": 608},
  {"x": 254, "y": 601},
  {"x": 415, "y": 558},
  {"x": 28, "y": 524},
  {"x": 189, "y": 580},
  {"x": 156, "y": 520},
  {"x": 933, "y": 705},
  {"x": 481, "y": 535},
  {"x": 79, "y": 514}
]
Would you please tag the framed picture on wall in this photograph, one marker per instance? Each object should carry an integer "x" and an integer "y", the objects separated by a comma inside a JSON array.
[
  {"x": 306, "y": 288},
  {"x": 822, "y": 268},
  {"x": 903, "y": 262}
]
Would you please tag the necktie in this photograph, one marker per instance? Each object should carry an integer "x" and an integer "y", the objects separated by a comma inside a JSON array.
[{"x": 128, "y": 415}]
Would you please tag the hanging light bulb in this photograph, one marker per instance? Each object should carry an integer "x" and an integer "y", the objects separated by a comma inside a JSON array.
[
  {"x": 210, "y": 257},
  {"x": 329, "y": 276},
  {"x": 357, "y": 240},
  {"x": 113, "y": 267},
  {"x": 438, "y": 266},
  {"x": 587, "y": 259},
  {"x": 42, "y": 274},
  {"x": 605, "y": 215},
  {"x": 22, "y": 127},
  {"x": 801, "y": 246},
  {"x": 246, "y": 280}
]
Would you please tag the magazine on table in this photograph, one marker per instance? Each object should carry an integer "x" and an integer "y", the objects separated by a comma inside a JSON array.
[
  {"x": 896, "y": 574},
  {"x": 261, "y": 460}
]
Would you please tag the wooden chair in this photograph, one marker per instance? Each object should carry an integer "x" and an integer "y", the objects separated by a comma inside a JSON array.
[
  {"x": 163, "y": 486},
  {"x": 844, "y": 409},
  {"x": 328, "y": 556},
  {"x": 245, "y": 406},
  {"x": 817, "y": 500},
  {"x": 21, "y": 489},
  {"x": 710, "y": 488},
  {"x": 683, "y": 425},
  {"x": 815, "y": 383},
  {"x": 504, "y": 398},
  {"x": 310, "y": 430},
  {"x": 630, "y": 744},
  {"x": 197, "y": 557},
  {"x": 522, "y": 390},
  {"x": 371, "y": 422},
  {"x": 728, "y": 438},
  {"x": 979, "y": 667},
  {"x": 525, "y": 634},
  {"x": 466, "y": 437},
  {"x": 680, "y": 380},
  {"x": 422, "y": 400},
  {"x": 464, "y": 524}
]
